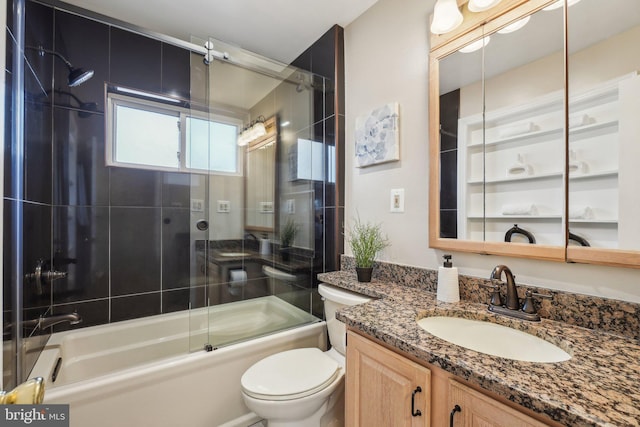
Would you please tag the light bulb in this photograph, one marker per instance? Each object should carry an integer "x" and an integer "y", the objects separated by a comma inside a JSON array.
[
  {"x": 478, "y": 44},
  {"x": 482, "y": 5},
  {"x": 515, "y": 26},
  {"x": 446, "y": 17},
  {"x": 259, "y": 130},
  {"x": 559, "y": 4}
]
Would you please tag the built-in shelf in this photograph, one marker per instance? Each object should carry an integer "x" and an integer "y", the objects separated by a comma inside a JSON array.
[
  {"x": 594, "y": 175},
  {"x": 591, "y": 127},
  {"x": 523, "y": 137},
  {"x": 517, "y": 178},
  {"x": 595, "y": 139},
  {"x": 593, "y": 221},
  {"x": 516, "y": 217},
  {"x": 507, "y": 179}
]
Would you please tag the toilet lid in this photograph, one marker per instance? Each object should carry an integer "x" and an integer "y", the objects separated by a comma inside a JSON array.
[{"x": 290, "y": 375}]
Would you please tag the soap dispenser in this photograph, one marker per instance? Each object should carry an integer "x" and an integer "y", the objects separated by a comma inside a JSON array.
[{"x": 448, "y": 288}]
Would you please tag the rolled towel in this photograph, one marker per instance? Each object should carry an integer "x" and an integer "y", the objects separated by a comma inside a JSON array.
[
  {"x": 513, "y": 130},
  {"x": 519, "y": 209},
  {"x": 578, "y": 166},
  {"x": 519, "y": 167},
  {"x": 581, "y": 213}
]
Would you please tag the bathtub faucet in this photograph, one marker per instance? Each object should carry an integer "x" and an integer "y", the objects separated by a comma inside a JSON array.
[{"x": 47, "y": 322}]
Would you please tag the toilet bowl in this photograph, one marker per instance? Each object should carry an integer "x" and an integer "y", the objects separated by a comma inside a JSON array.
[{"x": 303, "y": 387}]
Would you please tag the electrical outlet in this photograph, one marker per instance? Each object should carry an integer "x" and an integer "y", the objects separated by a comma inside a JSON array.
[
  {"x": 224, "y": 206},
  {"x": 197, "y": 205},
  {"x": 266, "y": 207},
  {"x": 397, "y": 200},
  {"x": 290, "y": 206}
]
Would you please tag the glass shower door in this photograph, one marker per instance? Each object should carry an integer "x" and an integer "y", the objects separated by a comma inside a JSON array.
[{"x": 260, "y": 122}]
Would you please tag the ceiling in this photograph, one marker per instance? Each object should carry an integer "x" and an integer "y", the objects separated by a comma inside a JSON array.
[{"x": 277, "y": 29}]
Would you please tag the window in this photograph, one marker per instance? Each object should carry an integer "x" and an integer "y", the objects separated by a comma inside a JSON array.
[{"x": 146, "y": 134}]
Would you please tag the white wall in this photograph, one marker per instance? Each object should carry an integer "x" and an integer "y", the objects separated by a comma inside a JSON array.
[{"x": 386, "y": 51}]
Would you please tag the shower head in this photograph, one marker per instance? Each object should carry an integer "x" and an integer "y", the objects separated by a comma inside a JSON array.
[{"x": 77, "y": 76}]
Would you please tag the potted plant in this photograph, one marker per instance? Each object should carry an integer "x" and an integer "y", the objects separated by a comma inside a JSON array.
[
  {"x": 287, "y": 236},
  {"x": 366, "y": 241}
]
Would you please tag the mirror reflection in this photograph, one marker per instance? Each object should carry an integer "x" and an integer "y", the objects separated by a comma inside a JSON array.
[
  {"x": 604, "y": 89},
  {"x": 510, "y": 143}
]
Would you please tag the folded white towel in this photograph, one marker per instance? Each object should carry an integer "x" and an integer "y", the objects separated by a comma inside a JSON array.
[
  {"x": 513, "y": 130},
  {"x": 579, "y": 120},
  {"x": 581, "y": 213},
  {"x": 519, "y": 209}
]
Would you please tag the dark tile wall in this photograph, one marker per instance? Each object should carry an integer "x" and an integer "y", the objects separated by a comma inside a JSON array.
[
  {"x": 122, "y": 235},
  {"x": 449, "y": 114},
  {"x": 326, "y": 58}
]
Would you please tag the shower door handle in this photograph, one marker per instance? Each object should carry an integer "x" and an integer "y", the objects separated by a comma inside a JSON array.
[{"x": 41, "y": 277}]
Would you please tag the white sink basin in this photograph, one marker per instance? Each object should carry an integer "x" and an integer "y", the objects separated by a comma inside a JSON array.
[
  {"x": 493, "y": 339},
  {"x": 233, "y": 254}
]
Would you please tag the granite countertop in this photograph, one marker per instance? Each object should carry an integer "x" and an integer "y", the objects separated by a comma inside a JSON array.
[
  {"x": 293, "y": 265},
  {"x": 598, "y": 386}
]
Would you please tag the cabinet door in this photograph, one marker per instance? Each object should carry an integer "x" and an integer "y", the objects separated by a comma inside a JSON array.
[
  {"x": 478, "y": 410},
  {"x": 382, "y": 387}
]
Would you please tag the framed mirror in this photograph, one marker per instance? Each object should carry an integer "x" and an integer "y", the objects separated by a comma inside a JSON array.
[
  {"x": 604, "y": 102},
  {"x": 497, "y": 169},
  {"x": 260, "y": 180}
]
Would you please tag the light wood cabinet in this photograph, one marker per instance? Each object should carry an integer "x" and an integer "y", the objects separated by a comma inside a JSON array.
[
  {"x": 381, "y": 385},
  {"x": 479, "y": 410},
  {"x": 383, "y": 388}
]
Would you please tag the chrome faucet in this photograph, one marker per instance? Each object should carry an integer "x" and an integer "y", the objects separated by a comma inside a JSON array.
[
  {"x": 47, "y": 322},
  {"x": 512, "y": 306}
]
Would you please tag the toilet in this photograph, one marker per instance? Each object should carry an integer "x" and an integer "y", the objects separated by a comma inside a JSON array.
[{"x": 304, "y": 387}]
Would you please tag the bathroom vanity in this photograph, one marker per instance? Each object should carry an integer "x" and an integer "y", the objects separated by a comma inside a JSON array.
[
  {"x": 387, "y": 349},
  {"x": 387, "y": 388}
]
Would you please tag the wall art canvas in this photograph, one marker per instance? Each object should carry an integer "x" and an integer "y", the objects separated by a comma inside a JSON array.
[{"x": 377, "y": 136}]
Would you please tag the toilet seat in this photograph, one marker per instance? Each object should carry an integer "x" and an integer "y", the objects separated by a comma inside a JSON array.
[{"x": 290, "y": 375}]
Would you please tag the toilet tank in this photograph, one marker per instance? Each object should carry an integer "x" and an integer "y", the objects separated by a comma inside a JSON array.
[{"x": 335, "y": 298}]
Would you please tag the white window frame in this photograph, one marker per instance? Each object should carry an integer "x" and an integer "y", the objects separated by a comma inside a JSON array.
[{"x": 115, "y": 99}]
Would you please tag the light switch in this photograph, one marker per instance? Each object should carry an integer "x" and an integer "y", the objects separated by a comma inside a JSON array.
[
  {"x": 224, "y": 206},
  {"x": 397, "y": 200}
]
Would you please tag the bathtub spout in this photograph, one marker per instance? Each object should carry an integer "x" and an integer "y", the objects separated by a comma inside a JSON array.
[{"x": 47, "y": 322}]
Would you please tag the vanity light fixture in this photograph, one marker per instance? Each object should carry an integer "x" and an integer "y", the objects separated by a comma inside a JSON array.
[
  {"x": 478, "y": 44},
  {"x": 446, "y": 17},
  {"x": 559, "y": 4},
  {"x": 515, "y": 26},
  {"x": 252, "y": 131},
  {"x": 482, "y": 5}
]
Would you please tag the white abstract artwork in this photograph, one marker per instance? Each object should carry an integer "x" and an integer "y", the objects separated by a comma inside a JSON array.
[{"x": 377, "y": 136}]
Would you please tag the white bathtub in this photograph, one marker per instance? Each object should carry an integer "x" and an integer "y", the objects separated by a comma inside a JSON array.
[{"x": 139, "y": 372}]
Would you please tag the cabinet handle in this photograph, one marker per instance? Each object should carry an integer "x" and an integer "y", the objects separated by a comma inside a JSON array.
[
  {"x": 455, "y": 409},
  {"x": 414, "y": 412}
]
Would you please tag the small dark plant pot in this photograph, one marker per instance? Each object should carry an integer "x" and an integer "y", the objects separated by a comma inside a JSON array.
[
  {"x": 364, "y": 273},
  {"x": 284, "y": 253}
]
